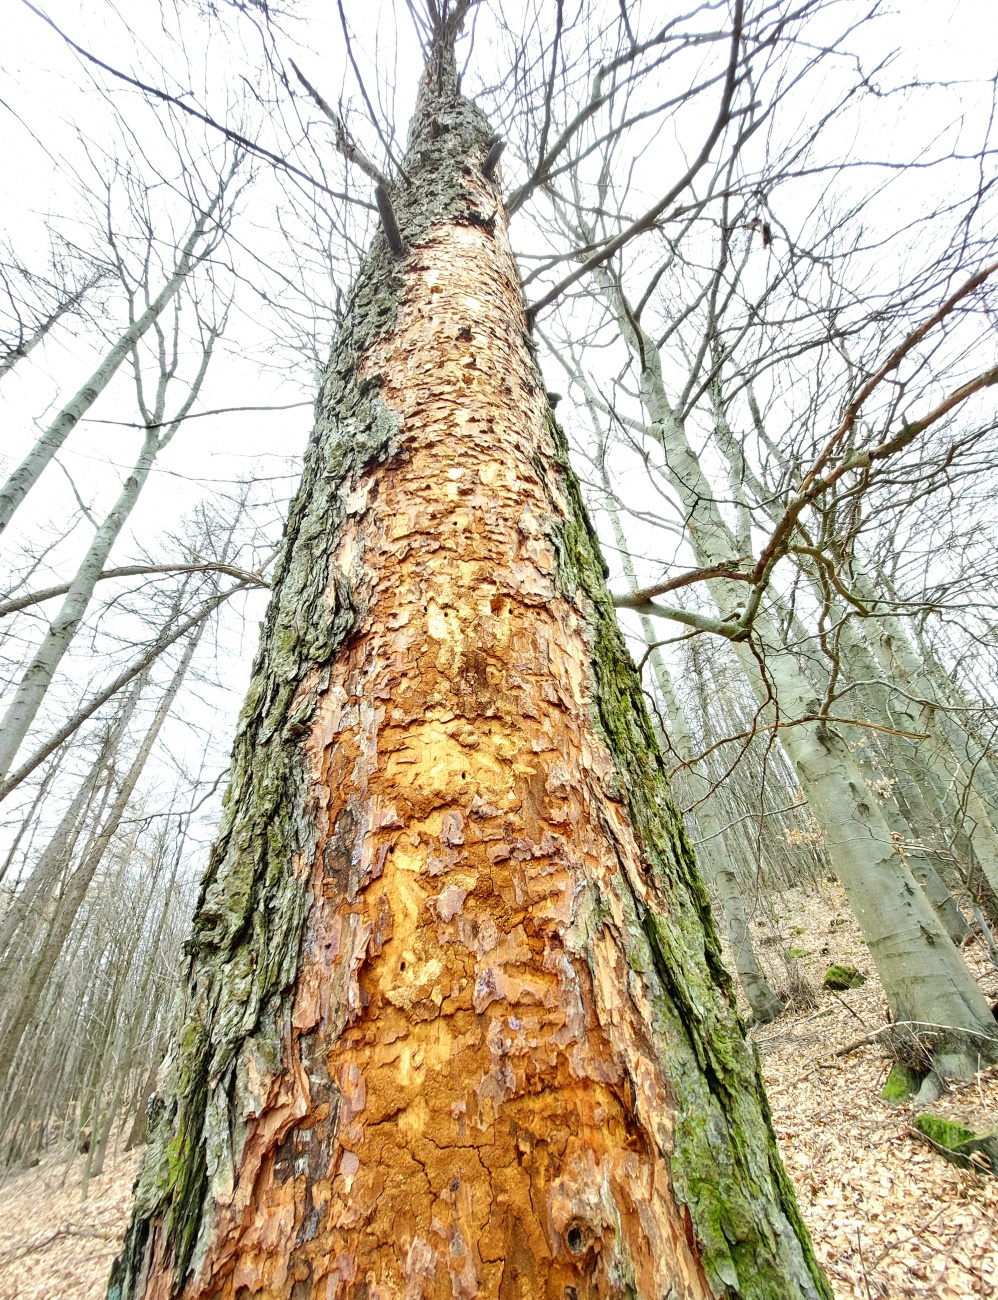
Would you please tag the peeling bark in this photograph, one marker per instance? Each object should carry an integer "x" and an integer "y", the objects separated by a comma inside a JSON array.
[{"x": 455, "y": 1021}]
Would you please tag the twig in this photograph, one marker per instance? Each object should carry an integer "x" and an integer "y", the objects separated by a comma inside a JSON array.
[
  {"x": 848, "y": 1008},
  {"x": 35, "y": 1245},
  {"x": 387, "y": 214}
]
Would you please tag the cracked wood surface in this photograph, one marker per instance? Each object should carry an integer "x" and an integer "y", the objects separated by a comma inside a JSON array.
[
  {"x": 474, "y": 1111},
  {"x": 454, "y": 1021}
]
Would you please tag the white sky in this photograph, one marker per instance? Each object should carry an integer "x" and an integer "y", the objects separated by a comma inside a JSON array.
[{"x": 49, "y": 105}]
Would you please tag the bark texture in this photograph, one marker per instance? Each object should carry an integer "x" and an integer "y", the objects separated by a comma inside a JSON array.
[{"x": 455, "y": 1021}]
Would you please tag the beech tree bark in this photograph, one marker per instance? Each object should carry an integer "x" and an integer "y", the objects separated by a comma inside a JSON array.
[
  {"x": 454, "y": 1021},
  {"x": 925, "y": 980}
]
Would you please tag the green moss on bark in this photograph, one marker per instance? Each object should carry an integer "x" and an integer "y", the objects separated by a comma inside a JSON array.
[
  {"x": 726, "y": 1167},
  {"x": 959, "y": 1145},
  {"x": 244, "y": 952},
  {"x": 843, "y": 977},
  {"x": 902, "y": 1082}
]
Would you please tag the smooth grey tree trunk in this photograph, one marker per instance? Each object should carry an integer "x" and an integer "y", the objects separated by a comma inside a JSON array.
[
  {"x": 711, "y": 855},
  {"x": 27, "y": 474},
  {"x": 923, "y": 975},
  {"x": 15, "y": 354},
  {"x": 38, "y": 676},
  {"x": 872, "y": 690}
]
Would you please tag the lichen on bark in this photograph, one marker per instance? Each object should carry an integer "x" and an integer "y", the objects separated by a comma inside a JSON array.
[{"x": 455, "y": 1020}]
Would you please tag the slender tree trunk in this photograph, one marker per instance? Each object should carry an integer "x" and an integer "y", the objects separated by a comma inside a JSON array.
[
  {"x": 455, "y": 1021},
  {"x": 27, "y": 345},
  {"x": 764, "y": 1002},
  {"x": 711, "y": 855},
  {"x": 170, "y": 635},
  {"x": 29, "y": 821},
  {"x": 27, "y": 474},
  {"x": 855, "y": 661},
  {"x": 59, "y": 849},
  {"x": 39, "y": 673},
  {"x": 95, "y": 1166},
  {"x": 78, "y": 884},
  {"x": 972, "y": 749},
  {"x": 139, "y": 1130},
  {"x": 946, "y": 750},
  {"x": 923, "y": 975}
]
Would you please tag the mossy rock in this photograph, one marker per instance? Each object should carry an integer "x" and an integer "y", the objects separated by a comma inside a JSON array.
[
  {"x": 902, "y": 1082},
  {"x": 961, "y": 1146},
  {"x": 843, "y": 977}
]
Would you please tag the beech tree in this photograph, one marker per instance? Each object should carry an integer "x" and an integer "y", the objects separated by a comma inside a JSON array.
[{"x": 454, "y": 1019}]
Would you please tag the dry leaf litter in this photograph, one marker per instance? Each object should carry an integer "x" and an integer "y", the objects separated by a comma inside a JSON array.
[{"x": 888, "y": 1215}]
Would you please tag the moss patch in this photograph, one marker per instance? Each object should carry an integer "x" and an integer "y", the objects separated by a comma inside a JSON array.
[
  {"x": 843, "y": 977},
  {"x": 960, "y": 1145},
  {"x": 902, "y": 1082},
  {"x": 243, "y": 953},
  {"x": 725, "y": 1166}
]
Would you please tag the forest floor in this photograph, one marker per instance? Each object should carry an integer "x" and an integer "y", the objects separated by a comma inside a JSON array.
[{"x": 888, "y": 1215}]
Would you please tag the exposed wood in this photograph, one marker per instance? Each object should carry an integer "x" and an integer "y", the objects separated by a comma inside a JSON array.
[{"x": 455, "y": 1022}]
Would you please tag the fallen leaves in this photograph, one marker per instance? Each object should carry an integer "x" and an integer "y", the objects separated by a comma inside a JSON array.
[
  {"x": 890, "y": 1218},
  {"x": 53, "y": 1243}
]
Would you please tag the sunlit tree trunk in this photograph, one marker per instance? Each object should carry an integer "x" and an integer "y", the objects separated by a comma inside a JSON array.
[{"x": 455, "y": 1021}]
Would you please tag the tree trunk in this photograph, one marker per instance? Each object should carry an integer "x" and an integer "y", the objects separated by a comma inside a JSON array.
[
  {"x": 714, "y": 861},
  {"x": 853, "y": 656},
  {"x": 59, "y": 849},
  {"x": 27, "y": 345},
  {"x": 78, "y": 884},
  {"x": 27, "y": 474},
  {"x": 924, "y": 977},
  {"x": 38, "y": 675},
  {"x": 455, "y": 1020},
  {"x": 95, "y": 1165},
  {"x": 139, "y": 1130},
  {"x": 946, "y": 750}
]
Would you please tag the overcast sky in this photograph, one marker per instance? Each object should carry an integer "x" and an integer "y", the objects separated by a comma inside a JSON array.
[{"x": 59, "y": 131}]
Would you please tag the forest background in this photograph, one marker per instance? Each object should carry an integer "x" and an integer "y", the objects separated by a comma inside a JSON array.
[{"x": 876, "y": 167}]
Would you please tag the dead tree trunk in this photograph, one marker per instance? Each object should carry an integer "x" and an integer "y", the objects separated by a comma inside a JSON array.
[{"x": 454, "y": 1020}]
